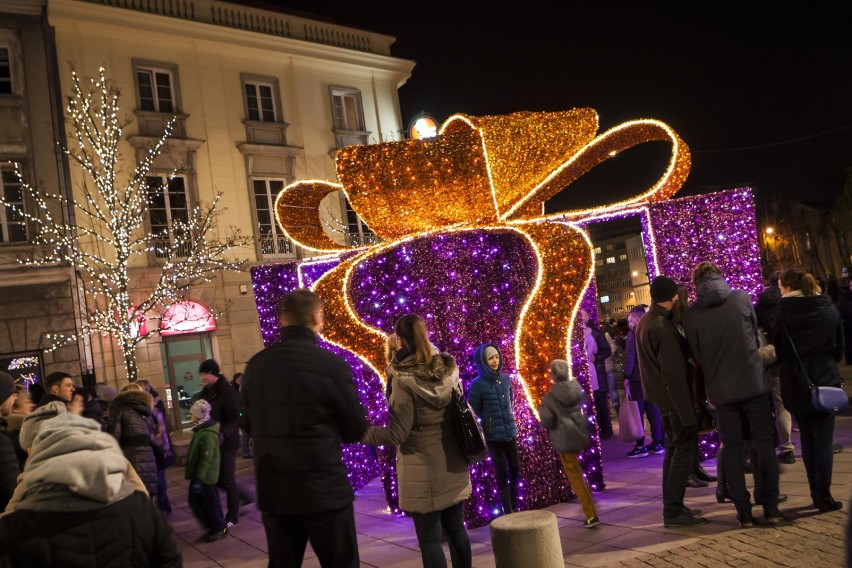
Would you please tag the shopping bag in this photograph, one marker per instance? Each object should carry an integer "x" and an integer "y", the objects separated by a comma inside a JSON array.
[{"x": 631, "y": 427}]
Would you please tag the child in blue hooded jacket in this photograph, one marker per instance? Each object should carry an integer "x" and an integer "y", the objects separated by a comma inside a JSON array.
[{"x": 491, "y": 398}]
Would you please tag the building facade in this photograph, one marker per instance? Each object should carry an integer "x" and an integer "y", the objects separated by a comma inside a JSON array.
[
  {"x": 261, "y": 99},
  {"x": 621, "y": 275}
]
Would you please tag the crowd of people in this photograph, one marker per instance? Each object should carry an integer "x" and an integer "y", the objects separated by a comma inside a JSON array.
[{"x": 83, "y": 461}]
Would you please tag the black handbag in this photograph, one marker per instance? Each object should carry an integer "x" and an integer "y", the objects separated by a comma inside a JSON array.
[
  {"x": 467, "y": 428},
  {"x": 823, "y": 399}
]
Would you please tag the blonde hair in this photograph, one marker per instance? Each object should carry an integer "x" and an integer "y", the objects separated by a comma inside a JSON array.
[
  {"x": 392, "y": 345},
  {"x": 798, "y": 279},
  {"x": 411, "y": 329},
  {"x": 132, "y": 387}
]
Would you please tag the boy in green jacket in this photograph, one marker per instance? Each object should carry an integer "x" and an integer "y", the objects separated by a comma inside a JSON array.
[{"x": 202, "y": 471}]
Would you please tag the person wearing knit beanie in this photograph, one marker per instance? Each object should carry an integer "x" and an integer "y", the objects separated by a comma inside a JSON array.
[
  {"x": 663, "y": 289},
  {"x": 200, "y": 409}
]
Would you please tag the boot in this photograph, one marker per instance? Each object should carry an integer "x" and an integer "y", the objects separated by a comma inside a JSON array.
[
  {"x": 826, "y": 503},
  {"x": 723, "y": 494},
  {"x": 506, "y": 501},
  {"x": 693, "y": 481},
  {"x": 703, "y": 475}
]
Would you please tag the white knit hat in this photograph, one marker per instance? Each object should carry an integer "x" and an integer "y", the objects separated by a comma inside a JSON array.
[{"x": 201, "y": 410}]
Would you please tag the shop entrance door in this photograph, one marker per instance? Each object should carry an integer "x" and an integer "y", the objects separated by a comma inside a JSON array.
[{"x": 181, "y": 355}]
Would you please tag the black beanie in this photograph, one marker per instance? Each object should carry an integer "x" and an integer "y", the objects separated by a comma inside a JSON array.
[
  {"x": 663, "y": 289},
  {"x": 209, "y": 366}
]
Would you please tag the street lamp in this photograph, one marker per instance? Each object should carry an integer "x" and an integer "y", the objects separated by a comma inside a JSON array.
[{"x": 770, "y": 230}]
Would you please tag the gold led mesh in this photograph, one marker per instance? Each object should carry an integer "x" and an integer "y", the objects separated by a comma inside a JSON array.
[
  {"x": 481, "y": 173},
  {"x": 400, "y": 188}
]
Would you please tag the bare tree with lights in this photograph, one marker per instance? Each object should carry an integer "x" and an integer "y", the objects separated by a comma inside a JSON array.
[{"x": 108, "y": 237}]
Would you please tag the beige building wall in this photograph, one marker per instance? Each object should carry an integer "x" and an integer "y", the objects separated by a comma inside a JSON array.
[{"x": 207, "y": 62}]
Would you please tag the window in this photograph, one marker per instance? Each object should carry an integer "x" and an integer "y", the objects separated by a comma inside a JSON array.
[
  {"x": 599, "y": 262},
  {"x": 5, "y": 72},
  {"x": 622, "y": 270},
  {"x": 609, "y": 247},
  {"x": 619, "y": 310},
  {"x": 622, "y": 257},
  {"x": 13, "y": 227},
  {"x": 260, "y": 101},
  {"x": 629, "y": 306},
  {"x": 604, "y": 299},
  {"x": 616, "y": 296},
  {"x": 610, "y": 260},
  {"x": 167, "y": 203},
  {"x": 272, "y": 240},
  {"x": 346, "y": 109},
  {"x": 156, "y": 89},
  {"x": 597, "y": 250},
  {"x": 357, "y": 231}
]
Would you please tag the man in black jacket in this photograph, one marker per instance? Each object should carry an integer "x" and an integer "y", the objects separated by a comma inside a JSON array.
[
  {"x": 300, "y": 404},
  {"x": 721, "y": 327},
  {"x": 225, "y": 404},
  {"x": 664, "y": 378}
]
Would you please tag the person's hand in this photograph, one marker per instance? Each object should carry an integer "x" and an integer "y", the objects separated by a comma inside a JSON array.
[{"x": 76, "y": 406}]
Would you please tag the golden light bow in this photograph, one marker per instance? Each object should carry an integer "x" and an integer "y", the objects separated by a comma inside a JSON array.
[{"x": 491, "y": 173}]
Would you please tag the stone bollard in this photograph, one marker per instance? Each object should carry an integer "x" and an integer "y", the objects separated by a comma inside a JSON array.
[{"x": 526, "y": 539}]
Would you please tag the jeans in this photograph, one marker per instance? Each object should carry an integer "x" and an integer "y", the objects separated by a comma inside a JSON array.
[
  {"x": 652, "y": 413},
  {"x": 571, "y": 465},
  {"x": 332, "y": 536},
  {"x": 428, "y": 527},
  {"x": 816, "y": 433},
  {"x": 204, "y": 502},
  {"x": 755, "y": 413},
  {"x": 610, "y": 383},
  {"x": 228, "y": 481},
  {"x": 505, "y": 454},
  {"x": 602, "y": 413},
  {"x": 681, "y": 447}
]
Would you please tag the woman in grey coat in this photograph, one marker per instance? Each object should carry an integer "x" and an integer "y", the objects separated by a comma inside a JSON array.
[
  {"x": 433, "y": 476},
  {"x": 561, "y": 412}
]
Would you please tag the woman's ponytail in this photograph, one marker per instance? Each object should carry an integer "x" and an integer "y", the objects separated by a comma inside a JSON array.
[{"x": 411, "y": 329}]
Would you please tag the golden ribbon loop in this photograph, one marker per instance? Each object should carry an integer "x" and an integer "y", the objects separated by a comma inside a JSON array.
[{"x": 491, "y": 172}]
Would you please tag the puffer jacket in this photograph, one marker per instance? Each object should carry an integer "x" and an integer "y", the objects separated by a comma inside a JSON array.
[
  {"x": 561, "y": 413},
  {"x": 431, "y": 470},
  {"x": 721, "y": 327},
  {"x": 815, "y": 328},
  {"x": 131, "y": 421},
  {"x": 491, "y": 398},
  {"x": 202, "y": 457}
]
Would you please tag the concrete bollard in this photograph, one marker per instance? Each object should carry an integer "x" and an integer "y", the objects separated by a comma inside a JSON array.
[{"x": 526, "y": 539}]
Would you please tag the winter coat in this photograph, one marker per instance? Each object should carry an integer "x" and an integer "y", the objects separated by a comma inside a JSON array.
[
  {"x": 14, "y": 421},
  {"x": 300, "y": 404},
  {"x": 432, "y": 473},
  {"x": 765, "y": 308},
  {"x": 77, "y": 508},
  {"x": 202, "y": 457},
  {"x": 815, "y": 327},
  {"x": 561, "y": 413},
  {"x": 131, "y": 421},
  {"x": 492, "y": 398},
  {"x": 663, "y": 365},
  {"x": 631, "y": 364},
  {"x": 721, "y": 328},
  {"x": 9, "y": 468},
  {"x": 224, "y": 409}
]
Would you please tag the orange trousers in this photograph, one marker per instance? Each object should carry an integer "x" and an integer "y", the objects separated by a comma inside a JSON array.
[{"x": 578, "y": 484}]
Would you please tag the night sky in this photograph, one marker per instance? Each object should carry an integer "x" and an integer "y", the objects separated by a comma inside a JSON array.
[{"x": 727, "y": 76}]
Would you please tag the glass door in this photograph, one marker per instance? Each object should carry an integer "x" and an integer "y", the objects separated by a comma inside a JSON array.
[{"x": 182, "y": 354}]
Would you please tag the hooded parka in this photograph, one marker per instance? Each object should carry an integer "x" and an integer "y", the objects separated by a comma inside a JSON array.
[
  {"x": 132, "y": 422},
  {"x": 432, "y": 472},
  {"x": 561, "y": 413},
  {"x": 491, "y": 398}
]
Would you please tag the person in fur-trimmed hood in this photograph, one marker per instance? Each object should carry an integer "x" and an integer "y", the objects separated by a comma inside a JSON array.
[
  {"x": 433, "y": 474},
  {"x": 131, "y": 421},
  {"x": 492, "y": 399},
  {"x": 78, "y": 509},
  {"x": 561, "y": 413}
]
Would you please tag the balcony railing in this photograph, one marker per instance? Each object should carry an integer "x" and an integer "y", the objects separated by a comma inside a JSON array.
[
  {"x": 260, "y": 21},
  {"x": 182, "y": 250},
  {"x": 275, "y": 246}
]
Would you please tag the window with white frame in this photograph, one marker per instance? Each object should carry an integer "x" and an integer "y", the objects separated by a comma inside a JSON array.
[
  {"x": 156, "y": 89},
  {"x": 272, "y": 239},
  {"x": 13, "y": 226},
  {"x": 167, "y": 203},
  {"x": 260, "y": 101},
  {"x": 610, "y": 260},
  {"x": 347, "y": 112},
  {"x": 5, "y": 72}
]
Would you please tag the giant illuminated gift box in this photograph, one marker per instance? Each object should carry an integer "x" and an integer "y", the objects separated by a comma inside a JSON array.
[{"x": 466, "y": 247}]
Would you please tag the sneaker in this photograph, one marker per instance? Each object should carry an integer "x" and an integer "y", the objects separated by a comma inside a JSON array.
[
  {"x": 216, "y": 535},
  {"x": 638, "y": 452},
  {"x": 591, "y": 522},
  {"x": 692, "y": 512},
  {"x": 683, "y": 520},
  {"x": 786, "y": 457},
  {"x": 656, "y": 449},
  {"x": 746, "y": 520}
]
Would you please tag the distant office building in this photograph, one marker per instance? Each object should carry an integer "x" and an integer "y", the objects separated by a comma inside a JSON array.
[{"x": 621, "y": 275}]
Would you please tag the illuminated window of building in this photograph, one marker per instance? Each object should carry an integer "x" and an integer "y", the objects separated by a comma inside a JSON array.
[
  {"x": 604, "y": 299},
  {"x": 610, "y": 260}
]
